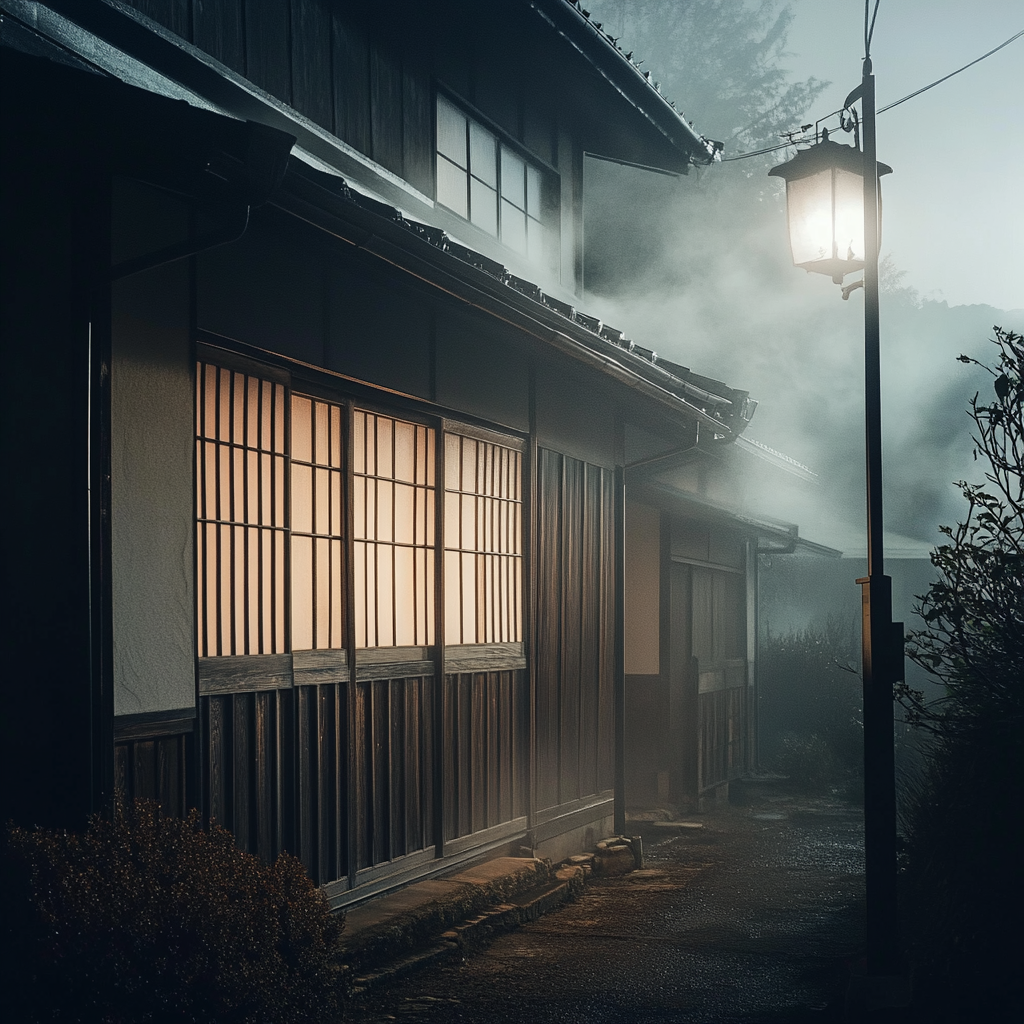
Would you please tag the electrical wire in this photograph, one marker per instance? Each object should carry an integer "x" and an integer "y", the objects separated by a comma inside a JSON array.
[
  {"x": 918, "y": 92},
  {"x": 869, "y": 32},
  {"x": 888, "y": 106}
]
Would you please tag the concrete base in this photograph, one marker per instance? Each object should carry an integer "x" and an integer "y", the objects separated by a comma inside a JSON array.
[{"x": 586, "y": 837}]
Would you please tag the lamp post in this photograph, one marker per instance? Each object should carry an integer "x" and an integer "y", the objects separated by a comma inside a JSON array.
[{"x": 833, "y": 205}]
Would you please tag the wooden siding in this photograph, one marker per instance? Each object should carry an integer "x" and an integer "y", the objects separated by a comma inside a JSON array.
[
  {"x": 319, "y": 59},
  {"x": 393, "y": 784},
  {"x": 155, "y": 768},
  {"x": 574, "y": 662},
  {"x": 486, "y": 737},
  {"x": 724, "y": 750}
]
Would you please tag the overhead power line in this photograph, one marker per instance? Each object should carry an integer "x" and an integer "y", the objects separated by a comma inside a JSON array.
[{"x": 888, "y": 106}]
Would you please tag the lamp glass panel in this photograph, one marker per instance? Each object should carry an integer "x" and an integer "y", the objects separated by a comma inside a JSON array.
[
  {"x": 809, "y": 204},
  {"x": 849, "y": 215}
]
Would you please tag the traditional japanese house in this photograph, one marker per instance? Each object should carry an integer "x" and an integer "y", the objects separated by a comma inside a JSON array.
[{"x": 317, "y": 506}]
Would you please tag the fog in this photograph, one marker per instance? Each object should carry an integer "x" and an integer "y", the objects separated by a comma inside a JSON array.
[{"x": 698, "y": 268}]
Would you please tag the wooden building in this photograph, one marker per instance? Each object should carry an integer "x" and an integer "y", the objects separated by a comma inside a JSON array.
[{"x": 318, "y": 477}]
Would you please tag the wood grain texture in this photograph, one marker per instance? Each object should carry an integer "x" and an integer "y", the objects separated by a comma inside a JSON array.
[
  {"x": 385, "y": 107},
  {"x": 267, "y": 51},
  {"x": 217, "y": 30},
  {"x": 350, "y": 50},
  {"x": 312, "y": 91}
]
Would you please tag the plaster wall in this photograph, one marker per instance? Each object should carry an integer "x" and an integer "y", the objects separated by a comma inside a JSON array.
[
  {"x": 642, "y": 590},
  {"x": 152, "y": 439}
]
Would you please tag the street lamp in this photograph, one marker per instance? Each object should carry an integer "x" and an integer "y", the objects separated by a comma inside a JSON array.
[{"x": 833, "y": 206}]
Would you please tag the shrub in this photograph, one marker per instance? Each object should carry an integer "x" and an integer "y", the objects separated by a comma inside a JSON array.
[
  {"x": 147, "y": 918},
  {"x": 961, "y": 888},
  {"x": 810, "y": 706}
]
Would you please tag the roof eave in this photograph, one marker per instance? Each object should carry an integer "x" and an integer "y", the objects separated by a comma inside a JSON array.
[{"x": 625, "y": 78}]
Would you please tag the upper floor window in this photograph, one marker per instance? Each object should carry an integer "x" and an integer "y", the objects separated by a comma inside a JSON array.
[{"x": 483, "y": 179}]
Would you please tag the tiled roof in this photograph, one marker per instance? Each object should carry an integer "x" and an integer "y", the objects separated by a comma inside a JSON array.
[
  {"x": 728, "y": 406},
  {"x": 602, "y": 50}
]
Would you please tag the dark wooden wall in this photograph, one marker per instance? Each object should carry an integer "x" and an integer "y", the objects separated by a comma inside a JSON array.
[
  {"x": 574, "y": 630},
  {"x": 320, "y": 59},
  {"x": 365, "y": 72}
]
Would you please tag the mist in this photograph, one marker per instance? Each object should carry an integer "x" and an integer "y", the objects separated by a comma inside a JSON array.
[{"x": 698, "y": 268}]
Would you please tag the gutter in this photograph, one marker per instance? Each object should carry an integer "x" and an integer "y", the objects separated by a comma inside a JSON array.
[{"x": 393, "y": 242}]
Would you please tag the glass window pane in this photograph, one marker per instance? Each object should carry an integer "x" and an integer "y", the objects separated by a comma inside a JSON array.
[
  {"x": 482, "y": 154},
  {"x": 483, "y": 207},
  {"x": 513, "y": 227},
  {"x": 451, "y": 187},
  {"x": 513, "y": 178},
  {"x": 534, "y": 240},
  {"x": 451, "y": 131},
  {"x": 533, "y": 187}
]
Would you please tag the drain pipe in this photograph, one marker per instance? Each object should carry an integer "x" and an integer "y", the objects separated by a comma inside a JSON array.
[{"x": 254, "y": 177}]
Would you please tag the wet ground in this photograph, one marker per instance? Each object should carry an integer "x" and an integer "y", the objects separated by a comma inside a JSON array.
[{"x": 748, "y": 914}]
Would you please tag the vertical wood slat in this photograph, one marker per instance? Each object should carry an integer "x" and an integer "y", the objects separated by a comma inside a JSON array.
[
  {"x": 549, "y": 633},
  {"x": 351, "y": 64},
  {"x": 311, "y": 61},
  {"x": 486, "y": 749},
  {"x": 380, "y": 775},
  {"x": 325, "y": 777},
  {"x": 241, "y": 759},
  {"x": 154, "y": 769},
  {"x": 172, "y": 14},
  {"x": 217, "y": 740},
  {"x": 569, "y": 755},
  {"x": 385, "y": 108},
  {"x": 479, "y": 749},
  {"x": 397, "y": 767},
  {"x": 267, "y": 56},
  {"x": 217, "y": 30},
  {"x": 361, "y": 780},
  {"x": 262, "y": 759},
  {"x": 606, "y": 701},
  {"x": 590, "y": 632},
  {"x": 418, "y": 130}
]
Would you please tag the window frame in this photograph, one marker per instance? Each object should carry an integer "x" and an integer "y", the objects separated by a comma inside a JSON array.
[
  {"x": 545, "y": 217},
  {"x": 224, "y": 673}
]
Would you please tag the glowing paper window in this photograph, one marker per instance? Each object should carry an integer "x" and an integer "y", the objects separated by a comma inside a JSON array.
[
  {"x": 240, "y": 510},
  {"x": 483, "y": 542},
  {"x": 393, "y": 511},
  {"x": 317, "y": 536}
]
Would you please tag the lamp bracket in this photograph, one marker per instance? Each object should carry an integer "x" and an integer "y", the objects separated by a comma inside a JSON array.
[{"x": 853, "y": 97}]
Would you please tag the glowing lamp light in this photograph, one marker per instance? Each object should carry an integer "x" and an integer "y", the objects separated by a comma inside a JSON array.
[{"x": 825, "y": 206}]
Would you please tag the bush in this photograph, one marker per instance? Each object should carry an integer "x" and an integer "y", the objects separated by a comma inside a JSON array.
[
  {"x": 961, "y": 888},
  {"x": 147, "y": 918},
  {"x": 810, "y": 706}
]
